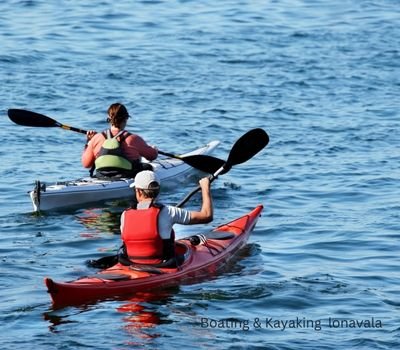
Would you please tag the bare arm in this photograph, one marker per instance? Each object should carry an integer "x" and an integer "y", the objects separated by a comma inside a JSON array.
[
  {"x": 140, "y": 148},
  {"x": 206, "y": 213},
  {"x": 88, "y": 156}
]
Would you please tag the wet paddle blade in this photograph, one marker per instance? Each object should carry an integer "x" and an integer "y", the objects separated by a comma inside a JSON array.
[
  {"x": 103, "y": 263},
  {"x": 247, "y": 146},
  {"x": 205, "y": 163},
  {"x": 28, "y": 118},
  {"x": 202, "y": 162}
]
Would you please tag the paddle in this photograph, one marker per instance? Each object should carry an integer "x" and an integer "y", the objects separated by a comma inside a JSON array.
[
  {"x": 28, "y": 118},
  {"x": 247, "y": 146},
  {"x": 202, "y": 162},
  {"x": 23, "y": 117},
  {"x": 244, "y": 149}
]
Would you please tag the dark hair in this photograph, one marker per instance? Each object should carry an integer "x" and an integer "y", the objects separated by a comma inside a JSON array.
[
  {"x": 150, "y": 193},
  {"x": 117, "y": 114}
]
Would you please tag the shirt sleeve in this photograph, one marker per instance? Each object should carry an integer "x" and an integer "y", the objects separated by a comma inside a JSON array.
[
  {"x": 179, "y": 215},
  {"x": 169, "y": 216}
]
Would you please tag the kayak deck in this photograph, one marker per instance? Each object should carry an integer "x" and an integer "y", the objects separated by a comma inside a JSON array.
[
  {"x": 88, "y": 189},
  {"x": 199, "y": 261}
]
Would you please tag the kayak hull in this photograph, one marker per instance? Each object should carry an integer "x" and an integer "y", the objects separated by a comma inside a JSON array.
[
  {"x": 200, "y": 261},
  {"x": 86, "y": 190}
]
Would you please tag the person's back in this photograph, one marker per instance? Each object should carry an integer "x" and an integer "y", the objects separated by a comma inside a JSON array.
[
  {"x": 147, "y": 231},
  {"x": 143, "y": 241},
  {"x": 116, "y": 151}
]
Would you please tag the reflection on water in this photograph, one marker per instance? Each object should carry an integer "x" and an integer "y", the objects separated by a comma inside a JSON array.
[
  {"x": 100, "y": 220},
  {"x": 140, "y": 313}
]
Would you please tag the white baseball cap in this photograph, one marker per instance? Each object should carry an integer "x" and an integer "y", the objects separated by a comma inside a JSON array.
[{"x": 146, "y": 180}]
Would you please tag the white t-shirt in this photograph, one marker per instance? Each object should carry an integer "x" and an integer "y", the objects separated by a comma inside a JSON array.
[{"x": 169, "y": 215}]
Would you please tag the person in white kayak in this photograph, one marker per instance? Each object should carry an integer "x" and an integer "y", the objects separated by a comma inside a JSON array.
[
  {"x": 116, "y": 152},
  {"x": 147, "y": 230}
]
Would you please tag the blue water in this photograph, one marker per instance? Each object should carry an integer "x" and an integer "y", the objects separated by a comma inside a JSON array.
[{"x": 321, "y": 77}]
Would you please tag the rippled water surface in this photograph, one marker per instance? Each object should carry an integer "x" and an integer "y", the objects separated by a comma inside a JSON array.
[{"x": 321, "y": 269}]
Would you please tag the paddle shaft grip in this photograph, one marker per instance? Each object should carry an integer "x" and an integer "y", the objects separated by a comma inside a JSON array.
[
  {"x": 169, "y": 154},
  {"x": 67, "y": 127},
  {"x": 197, "y": 189}
]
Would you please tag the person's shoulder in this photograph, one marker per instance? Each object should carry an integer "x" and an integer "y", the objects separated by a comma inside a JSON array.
[
  {"x": 165, "y": 208},
  {"x": 173, "y": 210},
  {"x": 133, "y": 136},
  {"x": 177, "y": 215},
  {"x": 97, "y": 139},
  {"x": 100, "y": 135},
  {"x": 127, "y": 133}
]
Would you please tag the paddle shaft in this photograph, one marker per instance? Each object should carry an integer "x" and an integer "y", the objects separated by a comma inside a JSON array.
[
  {"x": 205, "y": 163},
  {"x": 197, "y": 189},
  {"x": 81, "y": 131},
  {"x": 247, "y": 146},
  {"x": 66, "y": 127}
]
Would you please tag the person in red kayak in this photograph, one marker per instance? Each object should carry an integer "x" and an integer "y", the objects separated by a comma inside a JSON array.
[
  {"x": 147, "y": 230},
  {"x": 116, "y": 152}
]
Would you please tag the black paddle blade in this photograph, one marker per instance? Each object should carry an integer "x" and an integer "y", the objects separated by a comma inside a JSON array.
[
  {"x": 244, "y": 148},
  {"x": 28, "y": 118},
  {"x": 247, "y": 146},
  {"x": 103, "y": 263},
  {"x": 205, "y": 163}
]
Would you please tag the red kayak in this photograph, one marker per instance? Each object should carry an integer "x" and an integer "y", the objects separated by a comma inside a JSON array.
[{"x": 203, "y": 256}]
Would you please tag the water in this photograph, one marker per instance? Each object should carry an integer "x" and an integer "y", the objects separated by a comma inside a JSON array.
[{"x": 321, "y": 77}]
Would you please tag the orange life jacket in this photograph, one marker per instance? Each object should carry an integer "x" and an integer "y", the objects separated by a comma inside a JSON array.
[{"x": 140, "y": 234}]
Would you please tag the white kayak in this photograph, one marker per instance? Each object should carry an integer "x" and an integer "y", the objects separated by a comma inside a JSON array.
[{"x": 90, "y": 189}]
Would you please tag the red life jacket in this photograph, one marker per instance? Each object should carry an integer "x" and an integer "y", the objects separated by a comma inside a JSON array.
[{"x": 140, "y": 234}]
